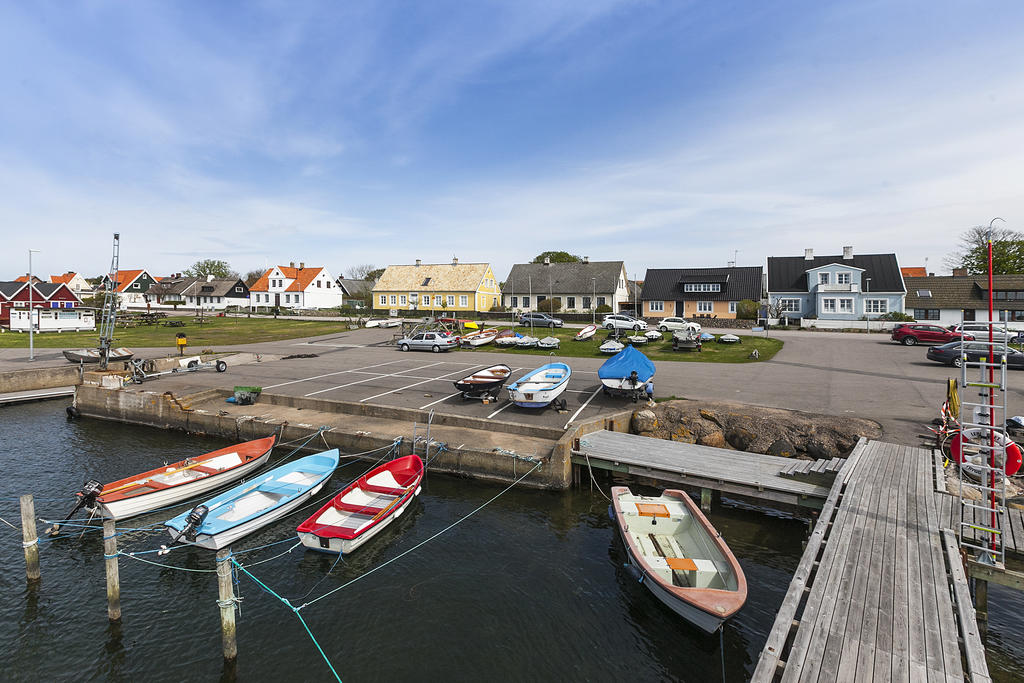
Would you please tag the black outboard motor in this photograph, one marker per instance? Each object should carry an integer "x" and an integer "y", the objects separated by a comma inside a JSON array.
[
  {"x": 634, "y": 379},
  {"x": 194, "y": 520},
  {"x": 86, "y": 499}
]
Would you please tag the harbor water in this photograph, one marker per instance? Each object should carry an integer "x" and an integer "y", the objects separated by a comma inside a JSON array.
[{"x": 531, "y": 586}]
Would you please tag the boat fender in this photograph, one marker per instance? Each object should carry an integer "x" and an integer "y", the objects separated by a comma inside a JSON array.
[
  {"x": 194, "y": 520},
  {"x": 418, "y": 489},
  {"x": 73, "y": 412},
  {"x": 634, "y": 572}
]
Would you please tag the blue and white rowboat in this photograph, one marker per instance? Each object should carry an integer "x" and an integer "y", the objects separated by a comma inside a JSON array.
[
  {"x": 248, "y": 507},
  {"x": 540, "y": 387}
]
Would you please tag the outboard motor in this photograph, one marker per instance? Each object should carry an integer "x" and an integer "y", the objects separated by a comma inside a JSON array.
[
  {"x": 194, "y": 520},
  {"x": 86, "y": 499}
]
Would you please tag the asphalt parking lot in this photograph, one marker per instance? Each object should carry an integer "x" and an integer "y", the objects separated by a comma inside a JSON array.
[{"x": 859, "y": 375}]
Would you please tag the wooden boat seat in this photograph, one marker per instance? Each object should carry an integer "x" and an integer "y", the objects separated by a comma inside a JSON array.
[
  {"x": 683, "y": 564},
  {"x": 389, "y": 490},
  {"x": 332, "y": 531},
  {"x": 355, "y": 507},
  {"x": 152, "y": 484},
  {"x": 651, "y": 510},
  {"x": 206, "y": 470}
]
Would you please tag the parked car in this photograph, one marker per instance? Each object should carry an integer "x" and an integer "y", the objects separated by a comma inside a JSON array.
[
  {"x": 539, "y": 320},
  {"x": 980, "y": 331},
  {"x": 666, "y": 324},
  {"x": 923, "y": 333},
  {"x": 428, "y": 341},
  {"x": 621, "y": 321},
  {"x": 975, "y": 351}
]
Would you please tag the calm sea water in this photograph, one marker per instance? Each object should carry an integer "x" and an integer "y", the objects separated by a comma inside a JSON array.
[{"x": 529, "y": 588}]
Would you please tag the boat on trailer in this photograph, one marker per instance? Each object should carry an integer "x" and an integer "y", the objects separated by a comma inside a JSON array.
[
  {"x": 364, "y": 508},
  {"x": 250, "y": 506},
  {"x": 479, "y": 338},
  {"x": 541, "y": 387},
  {"x": 679, "y": 556},
  {"x": 173, "y": 483},
  {"x": 627, "y": 373},
  {"x": 586, "y": 333},
  {"x": 93, "y": 355},
  {"x": 485, "y": 382}
]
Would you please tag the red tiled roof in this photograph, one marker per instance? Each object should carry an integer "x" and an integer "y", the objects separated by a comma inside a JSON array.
[
  {"x": 62, "y": 279},
  {"x": 262, "y": 284},
  {"x": 303, "y": 278},
  {"x": 913, "y": 271},
  {"x": 126, "y": 278}
]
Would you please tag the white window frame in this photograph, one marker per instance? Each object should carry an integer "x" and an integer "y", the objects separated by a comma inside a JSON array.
[
  {"x": 844, "y": 277},
  {"x": 789, "y": 305},
  {"x": 705, "y": 306},
  {"x": 401, "y": 299},
  {"x": 732, "y": 307},
  {"x": 570, "y": 303},
  {"x": 526, "y": 302},
  {"x": 383, "y": 299},
  {"x": 876, "y": 306},
  {"x": 829, "y": 305},
  {"x": 601, "y": 301},
  {"x": 656, "y": 306},
  {"x": 846, "y": 305},
  {"x": 703, "y": 287},
  {"x": 824, "y": 278},
  {"x": 514, "y": 301},
  {"x": 393, "y": 299},
  {"x": 464, "y": 300}
]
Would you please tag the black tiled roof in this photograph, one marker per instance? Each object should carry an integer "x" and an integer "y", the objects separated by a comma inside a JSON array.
[
  {"x": 564, "y": 278},
  {"x": 665, "y": 284},
  {"x": 9, "y": 289},
  {"x": 788, "y": 273},
  {"x": 962, "y": 292}
]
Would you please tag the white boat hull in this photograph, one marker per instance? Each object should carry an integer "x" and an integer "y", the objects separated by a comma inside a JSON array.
[
  {"x": 344, "y": 546},
  {"x": 536, "y": 399},
  {"x": 147, "y": 502},
  {"x": 229, "y": 536},
  {"x": 698, "y": 617},
  {"x": 623, "y": 384}
]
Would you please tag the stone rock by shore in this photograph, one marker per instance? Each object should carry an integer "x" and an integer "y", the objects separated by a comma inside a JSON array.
[{"x": 755, "y": 429}]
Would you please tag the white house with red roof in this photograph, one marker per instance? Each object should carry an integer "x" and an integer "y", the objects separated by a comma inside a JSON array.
[
  {"x": 132, "y": 286},
  {"x": 75, "y": 282},
  {"x": 295, "y": 287}
]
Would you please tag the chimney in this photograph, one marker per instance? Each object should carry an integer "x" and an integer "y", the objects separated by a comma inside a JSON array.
[
  {"x": 418, "y": 262},
  {"x": 959, "y": 272},
  {"x": 291, "y": 264},
  {"x": 302, "y": 264},
  {"x": 586, "y": 259},
  {"x": 455, "y": 260},
  {"x": 808, "y": 254},
  {"x": 847, "y": 253},
  {"x": 209, "y": 278},
  {"x": 547, "y": 260}
]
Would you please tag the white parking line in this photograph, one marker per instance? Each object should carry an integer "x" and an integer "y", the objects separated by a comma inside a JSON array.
[
  {"x": 410, "y": 386},
  {"x": 368, "y": 379},
  {"x": 500, "y": 409},
  {"x": 329, "y": 374},
  {"x": 585, "y": 404},
  {"x": 441, "y": 400}
]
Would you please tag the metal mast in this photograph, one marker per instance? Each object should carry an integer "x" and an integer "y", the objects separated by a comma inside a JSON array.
[{"x": 109, "y": 305}]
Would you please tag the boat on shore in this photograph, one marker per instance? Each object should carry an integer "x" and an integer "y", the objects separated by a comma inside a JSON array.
[
  {"x": 679, "y": 556},
  {"x": 653, "y": 335},
  {"x": 541, "y": 387},
  {"x": 548, "y": 343},
  {"x": 88, "y": 356},
  {"x": 629, "y": 373},
  {"x": 174, "y": 483},
  {"x": 250, "y": 506},
  {"x": 364, "y": 508},
  {"x": 383, "y": 322},
  {"x": 479, "y": 338},
  {"x": 586, "y": 333},
  {"x": 729, "y": 339},
  {"x": 506, "y": 337},
  {"x": 611, "y": 346},
  {"x": 526, "y": 342},
  {"x": 485, "y": 382}
]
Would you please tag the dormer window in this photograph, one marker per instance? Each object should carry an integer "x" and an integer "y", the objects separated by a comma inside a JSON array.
[
  {"x": 823, "y": 278},
  {"x": 842, "y": 278},
  {"x": 703, "y": 287},
  {"x": 924, "y": 293},
  {"x": 426, "y": 281}
]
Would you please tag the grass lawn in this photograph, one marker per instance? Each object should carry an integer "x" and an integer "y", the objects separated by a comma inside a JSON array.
[
  {"x": 713, "y": 352},
  {"x": 215, "y": 331}
]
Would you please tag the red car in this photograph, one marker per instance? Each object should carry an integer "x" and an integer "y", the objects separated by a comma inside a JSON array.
[{"x": 923, "y": 333}]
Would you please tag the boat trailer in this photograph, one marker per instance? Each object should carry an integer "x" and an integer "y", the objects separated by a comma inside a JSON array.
[{"x": 143, "y": 370}]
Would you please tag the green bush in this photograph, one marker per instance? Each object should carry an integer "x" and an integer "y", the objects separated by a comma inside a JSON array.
[
  {"x": 604, "y": 308},
  {"x": 498, "y": 308},
  {"x": 746, "y": 310},
  {"x": 550, "y": 306},
  {"x": 896, "y": 316}
]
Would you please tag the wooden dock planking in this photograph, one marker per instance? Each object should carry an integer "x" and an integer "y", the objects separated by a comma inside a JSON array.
[
  {"x": 878, "y": 606},
  {"x": 751, "y": 474}
]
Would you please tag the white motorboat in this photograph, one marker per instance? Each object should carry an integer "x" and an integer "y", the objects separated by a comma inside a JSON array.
[
  {"x": 653, "y": 335},
  {"x": 729, "y": 339},
  {"x": 586, "y": 333},
  {"x": 611, "y": 346},
  {"x": 479, "y": 338},
  {"x": 527, "y": 342},
  {"x": 548, "y": 343},
  {"x": 627, "y": 373},
  {"x": 510, "y": 339},
  {"x": 679, "y": 556},
  {"x": 541, "y": 387},
  {"x": 637, "y": 339}
]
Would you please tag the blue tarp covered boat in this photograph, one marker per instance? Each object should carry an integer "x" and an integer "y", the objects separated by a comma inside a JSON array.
[
  {"x": 242, "y": 510},
  {"x": 629, "y": 371}
]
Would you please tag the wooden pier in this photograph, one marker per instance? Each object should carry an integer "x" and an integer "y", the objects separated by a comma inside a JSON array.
[
  {"x": 880, "y": 592},
  {"x": 753, "y": 475}
]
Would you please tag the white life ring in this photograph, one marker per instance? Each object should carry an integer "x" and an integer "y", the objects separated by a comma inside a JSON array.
[{"x": 1008, "y": 455}]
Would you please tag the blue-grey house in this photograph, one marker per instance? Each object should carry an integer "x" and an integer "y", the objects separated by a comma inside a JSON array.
[{"x": 844, "y": 287}]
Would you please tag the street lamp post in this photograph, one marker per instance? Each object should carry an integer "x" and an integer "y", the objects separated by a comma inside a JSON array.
[
  {"x": 31, "y": 346},
  {"x": 593, "y": 302}
]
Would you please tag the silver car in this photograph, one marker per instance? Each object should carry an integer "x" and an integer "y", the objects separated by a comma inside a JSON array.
[
  {"x": 619, "y": 321},
  {"x": 428, "y": 341},
  {"x": 666, "y": 324}
]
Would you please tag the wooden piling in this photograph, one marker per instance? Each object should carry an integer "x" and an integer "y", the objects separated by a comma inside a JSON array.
[
  {"x": 705, "y": 500},
  {"x": 226, "y": 591},
  {"x": 29, "y": 537},
  {"x": 113, "y": 577},
  {"x": 981, "y": 606}
]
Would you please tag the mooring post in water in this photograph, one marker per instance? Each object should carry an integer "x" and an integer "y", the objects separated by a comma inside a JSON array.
[
  {"x": 29, "y": 537},
  {"x": 981, "y": 606},
  {"x": 113, "y": 578},
  {"x": 226, "y": 590},
  {"x": 705, "y": 500}
]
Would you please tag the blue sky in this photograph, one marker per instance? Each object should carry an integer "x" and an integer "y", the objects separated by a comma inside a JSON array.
[{"x": 668, "y": 134}]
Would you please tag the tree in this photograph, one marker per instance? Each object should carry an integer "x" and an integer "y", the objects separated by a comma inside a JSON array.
[
  {"x": 373, "y": 275},
  {"x": 972, "y": 252},
  {"x": 252, "y": 276},
  {"x": 550, "y": 306},
  {"x": 746, "y": 310},
  {"x": 362, "y": 271},
  {"x": 208, "y": 267},
  {"x": 556, "y": 257}
]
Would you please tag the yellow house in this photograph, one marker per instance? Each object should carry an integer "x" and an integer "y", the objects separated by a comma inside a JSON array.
[{"x": 437, "y": 288}]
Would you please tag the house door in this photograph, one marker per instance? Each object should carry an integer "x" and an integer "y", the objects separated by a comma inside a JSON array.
[
  {"x": 680, "y": 310},
  {"x": 277, "y": 299},
  {"x": 969, "y": 314}
]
